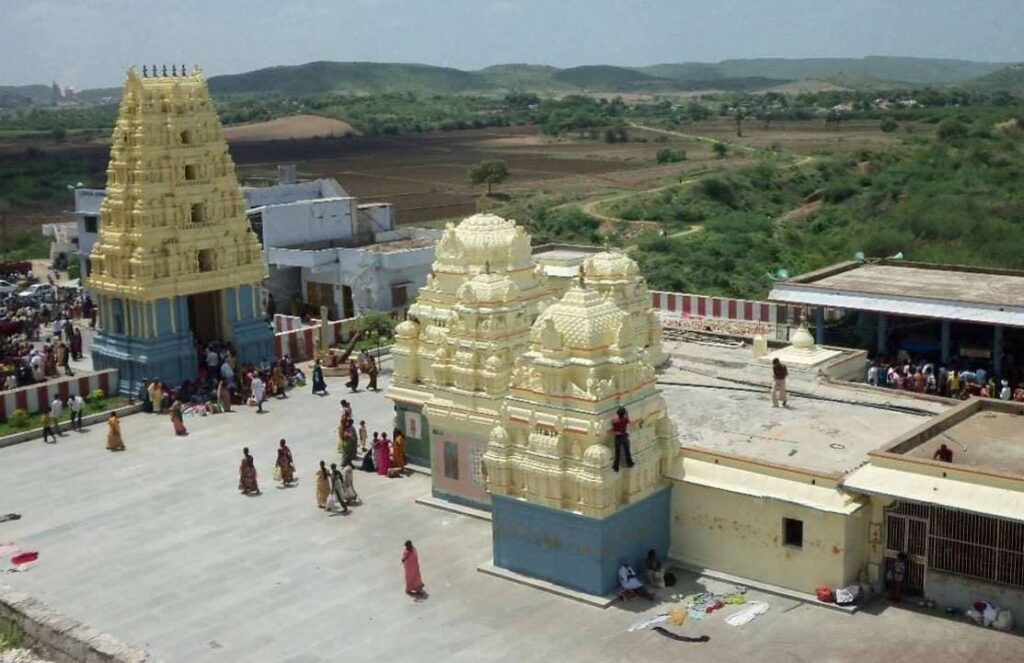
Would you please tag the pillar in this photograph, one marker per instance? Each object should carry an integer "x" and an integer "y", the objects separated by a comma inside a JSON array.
[
  {"x": 881, "y": 347},
  {"x": 997, "y": 351},
  {"x": 819, "y": 332},
  {"x": 945, "y": 342}
]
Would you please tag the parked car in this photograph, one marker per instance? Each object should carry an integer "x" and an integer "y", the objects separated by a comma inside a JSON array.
[
  {"x": 40, "y": 291},
  {"x": 7, "y": 288}
]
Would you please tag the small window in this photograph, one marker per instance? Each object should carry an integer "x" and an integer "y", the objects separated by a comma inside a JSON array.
[
  {"x": 399, "y": 296},
  {"x": 198, "y": 213},
  {"x": 451, "y": 460},
  {"x": 92, "y": 224},
  {"x": 190, "y": 172},
  {"x": 206, "y": 260},
  {"x": 186, "y": 137},
  {"x": 793, "y": 532}
]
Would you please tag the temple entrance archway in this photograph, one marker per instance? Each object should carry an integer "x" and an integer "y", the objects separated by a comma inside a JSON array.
[{"x": 205, "y": 317}]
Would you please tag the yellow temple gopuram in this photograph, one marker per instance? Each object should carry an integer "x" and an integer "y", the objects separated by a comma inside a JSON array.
[
  {"x": 506, "y": 382},
  {"x": 176, "y": 262}
]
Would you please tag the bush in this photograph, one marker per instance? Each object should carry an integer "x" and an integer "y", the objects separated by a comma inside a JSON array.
[
  {"x": 719, "y": 189},
  {"x": 668, "y": 155},
  {"x": 720, "y": 150},
  {"x": 837, "y": 193},
  {"x": 19, "y": 419},
  {"x": 96, "y": 399},
  {"x": 952, "y": 128},
  {"x": 889, "y": 125}
]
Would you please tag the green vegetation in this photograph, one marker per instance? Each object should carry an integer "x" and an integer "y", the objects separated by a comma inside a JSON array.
[
  {"x": 23, "y": 245},
  {"x": 96, "y": 402},
  {"x": 955, "y": 199},
  {"x": 11, "y": 636},
  {"x": 668, "y": 155},
  {"x": 492, "y": 171}
]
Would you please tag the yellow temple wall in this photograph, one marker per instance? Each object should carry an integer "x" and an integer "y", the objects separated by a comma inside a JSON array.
[{"x": 742, "y": 535}]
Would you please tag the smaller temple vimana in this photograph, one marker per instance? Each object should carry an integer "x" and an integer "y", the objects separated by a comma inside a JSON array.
[
  {"x": 176, "y": 262},
  {"x": 508, "y": 391}
]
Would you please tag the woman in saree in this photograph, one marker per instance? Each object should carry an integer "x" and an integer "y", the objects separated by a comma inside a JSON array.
[
  {"x": 247, "y": 474},
  {"x": 413, "y": 580},
  {"x": 348, "y": 444},
  {"x": 114, "y": 441},
  {"x": 323, "y": 485},
  {"x": 338, "y": 487},
  {"x": 319, "y": 385},
  {"x": 349, "y": 493},
  {"x": 224, "y": 396},
  {"x": 156, "y": 396},
  {"x": 278, "y": 382},
  {"x": 383, "y": 449},
  {"x": 285, "y": 464},
  {"x": 397, "y": 454},
  {"x": 177, "y": 419}
]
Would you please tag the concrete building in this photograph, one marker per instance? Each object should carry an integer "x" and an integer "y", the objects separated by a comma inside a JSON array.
[
  {"x": 176, "y": 262},
  {"x": 63, "y": 242},
  {"x": 961, "y": 523},
  {"x": 947, "y": 312}
]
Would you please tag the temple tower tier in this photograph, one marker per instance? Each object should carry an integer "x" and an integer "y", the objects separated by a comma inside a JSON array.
[{"x": 176, "y": 263}]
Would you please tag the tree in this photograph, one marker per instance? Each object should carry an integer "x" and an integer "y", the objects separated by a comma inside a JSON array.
[
  {"x": 738, "y": 117},
  {"x": 720, "y": 150},
  {"x": 889, "y": 125},
  {"x": 668, "y": 155},
  {"x": 58, "y": 134},
  {"x": 492, "y": 171}
]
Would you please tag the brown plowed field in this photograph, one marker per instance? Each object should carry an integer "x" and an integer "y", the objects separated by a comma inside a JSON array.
[{"x": 285, "y": 128}]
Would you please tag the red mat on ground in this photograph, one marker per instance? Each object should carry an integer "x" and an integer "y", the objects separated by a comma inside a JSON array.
[{"x": 24, "y": 558}]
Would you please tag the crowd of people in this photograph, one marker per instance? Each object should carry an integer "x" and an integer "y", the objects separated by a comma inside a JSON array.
[
  {"x": 38, "y": 340},
  {"x": 925, "y": 377}
]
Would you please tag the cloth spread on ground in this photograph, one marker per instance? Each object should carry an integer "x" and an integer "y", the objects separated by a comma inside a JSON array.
[
  {"x": 10, "y": 516},
  {"x": 7, "y": 549},
  {"x": 648, "y": 623},
  {"x": 24, "y": 558},
  {"x": 680, "y": 638},
  {"x": 748, "y": 614}
]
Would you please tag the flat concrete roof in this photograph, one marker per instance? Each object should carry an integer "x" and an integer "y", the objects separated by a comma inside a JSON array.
[
  {"x": 819, "y": 436},
  {"x": 988, "y": 296},
  {"x": 983, "y": 434}
]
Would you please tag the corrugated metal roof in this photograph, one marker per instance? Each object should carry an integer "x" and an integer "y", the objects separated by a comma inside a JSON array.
[
  {"x": 950, "y": 493},
  {"x": 757, "y": 484},
  {"x": 910, "y": 306}
]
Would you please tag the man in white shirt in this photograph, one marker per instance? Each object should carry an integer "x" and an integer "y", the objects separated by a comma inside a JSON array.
[
  {"x": 630, "y": 583},
  {"x": 212, "y": 359},
  {"x": 77, "y": 405},
  {"x": 56, "y": 410}
]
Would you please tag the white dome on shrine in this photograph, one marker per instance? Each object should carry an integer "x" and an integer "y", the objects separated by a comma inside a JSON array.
[
  {"x": 484, "y": 242},
  {"x": 586, "y": 320},
  {"x": 610, "y": 265}
]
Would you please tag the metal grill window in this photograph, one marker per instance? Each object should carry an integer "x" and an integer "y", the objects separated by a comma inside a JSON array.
[{"x": 978, "y": 546}]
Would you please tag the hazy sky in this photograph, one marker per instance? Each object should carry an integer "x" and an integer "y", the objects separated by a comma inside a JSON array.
[{"x": 90, "y": 43}]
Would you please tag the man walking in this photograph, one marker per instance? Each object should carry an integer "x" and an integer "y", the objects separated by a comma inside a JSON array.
[
  {"x": 56, "y": 410},
  {"x": 779, "y": 374},
  {"x": 77, "y": 406}
]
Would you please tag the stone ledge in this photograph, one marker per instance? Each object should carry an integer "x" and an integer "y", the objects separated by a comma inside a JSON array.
[
  {"x": 590, "y": 599},
  {"x": 62, "y": 639},
  {"x": 445, "y": 505},
  {"x": 99, "y": 417}
]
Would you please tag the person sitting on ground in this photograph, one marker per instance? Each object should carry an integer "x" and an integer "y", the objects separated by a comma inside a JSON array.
[
  {"x": 630, "y": 583},
  {"x": 655, "y": 570},
  {"x": 943, "y": 453}
]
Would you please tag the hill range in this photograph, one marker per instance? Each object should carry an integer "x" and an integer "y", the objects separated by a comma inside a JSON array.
[{"x": 314, "y": 78}]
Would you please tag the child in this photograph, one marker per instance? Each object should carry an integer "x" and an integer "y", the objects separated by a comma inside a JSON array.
[
  {"x": 362, "y": 435},
  {"x": 48, "y": 427}
]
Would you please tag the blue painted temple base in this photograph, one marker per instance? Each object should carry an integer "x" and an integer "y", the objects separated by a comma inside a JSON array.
[
  {"x": 253, "y": 341},
  {"x": 171, "y": 358},
  {"x": 575, "y": 551}
]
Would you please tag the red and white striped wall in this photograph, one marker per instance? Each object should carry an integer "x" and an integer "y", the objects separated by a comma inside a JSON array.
[
  {"x": 685, "y": 305},
  {"x": 283, "y": 323},
  {"x": 300, "y": 344},
  {"x": 35, "y": 398}
]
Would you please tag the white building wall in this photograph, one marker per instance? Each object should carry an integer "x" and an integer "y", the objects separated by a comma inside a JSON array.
[
  {"x": 282, "y": 194},
  {"x": 307, "y": 221}
]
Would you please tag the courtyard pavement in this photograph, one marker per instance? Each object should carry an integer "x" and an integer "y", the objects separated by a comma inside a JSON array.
[{"x": 156, "y": 546}]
